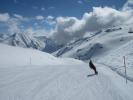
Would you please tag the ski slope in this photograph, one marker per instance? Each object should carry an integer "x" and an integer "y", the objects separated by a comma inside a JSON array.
[
  {"x": 115, "y": 60},
  {"x": 62, "y": 82},
  {"x": 15, "y": 56},
  {"x": 50, "y": 78}
]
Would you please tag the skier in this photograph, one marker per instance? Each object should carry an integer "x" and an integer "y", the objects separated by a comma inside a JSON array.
[{"x": 92, "y": 66}]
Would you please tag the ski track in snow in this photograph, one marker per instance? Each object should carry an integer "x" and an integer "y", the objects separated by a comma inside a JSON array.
[{"x": 63, "y": 82}]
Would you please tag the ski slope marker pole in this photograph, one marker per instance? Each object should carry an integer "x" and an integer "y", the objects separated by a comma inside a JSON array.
[
  {"x": 30, "y": 60},
  {"x": 125, "y": 68}
]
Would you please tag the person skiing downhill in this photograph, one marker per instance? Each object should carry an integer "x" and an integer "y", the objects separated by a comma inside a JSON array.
[{"x": 92, "y": 66}]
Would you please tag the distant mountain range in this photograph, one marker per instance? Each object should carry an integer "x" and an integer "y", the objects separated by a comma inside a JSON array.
[
  {"x": 25, "y": 40},
  {"x": 91, "y": 46}
]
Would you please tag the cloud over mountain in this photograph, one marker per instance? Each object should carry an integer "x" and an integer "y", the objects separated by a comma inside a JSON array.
[
  {"x": 4, "y": 17},
  {"x": 19, "y": 24},
  {"x": 68, "y": 28},
  {"x": 64, "y": 29}
]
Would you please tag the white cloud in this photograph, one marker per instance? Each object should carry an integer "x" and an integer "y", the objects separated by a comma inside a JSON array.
[
  {"x": 50, "y": 18},
  {"x": 19, "y": 24},
  {"x": 19, "y": 16},
  {"x": 4, "y": 17},
  {"x": 30, "y": 31},
  {"x": 39, "y": 17},
  {"x": 39, "y": 31},
  {"x": 13, "y": 26},
  {"x": 128, "y": 5},
  {"x": 101, "y": 18},
  {"x": 68, "y": 28},
  {"x": 60, "y": 35},
  {"x": 80, "y": 2}
]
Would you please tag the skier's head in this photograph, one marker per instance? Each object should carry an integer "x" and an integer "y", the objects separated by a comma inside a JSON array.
[{"x": 90, "y": 60}]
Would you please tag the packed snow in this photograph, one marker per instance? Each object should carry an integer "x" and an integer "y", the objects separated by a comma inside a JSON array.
[
  {"x": 115, "y": 60},
  {"x": 45, "y": 77}
]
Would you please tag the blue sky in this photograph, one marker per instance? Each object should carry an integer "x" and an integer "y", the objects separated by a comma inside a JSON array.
[{"x": 77, "y": 8}]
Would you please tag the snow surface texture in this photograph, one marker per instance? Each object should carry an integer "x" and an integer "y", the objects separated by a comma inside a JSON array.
[
  {"x": 115, "y": 60},
  {"x": 50, "y": 78},
  {"x": 15, "y": 56},
  {"x": 106, "y": 47}
]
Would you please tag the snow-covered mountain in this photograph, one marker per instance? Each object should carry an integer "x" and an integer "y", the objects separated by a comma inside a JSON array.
[
  {"x": 97, "y": 44},
  {"x": 50, "y": 45},
  {"x": 107, "y": 48},
  {"x": 25, "y": 40}
]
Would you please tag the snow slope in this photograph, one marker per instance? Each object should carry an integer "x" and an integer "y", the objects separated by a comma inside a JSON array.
[
  {"x": 62, "y": 82},
  {"x": 97, "y": 44},
  {"x": 50, "y": 78},
  {"x": 116, "y": 62},
  {"x": 15, "y": 56}
]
